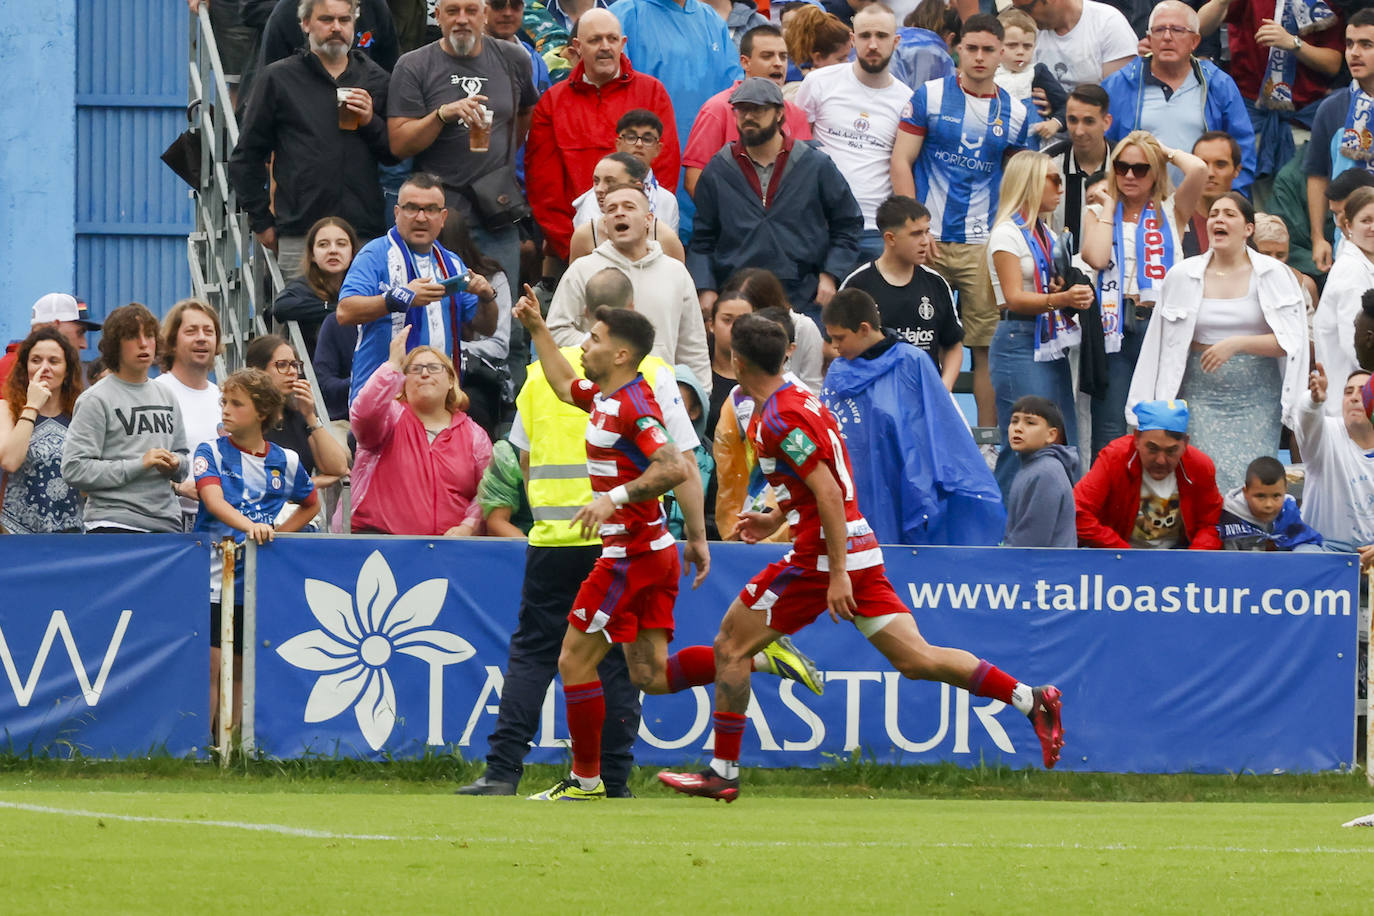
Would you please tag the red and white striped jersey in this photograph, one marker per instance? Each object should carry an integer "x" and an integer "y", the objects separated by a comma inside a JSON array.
[
  {"x": 793, "y": 432},
  {"x": 624, "y": 429}
]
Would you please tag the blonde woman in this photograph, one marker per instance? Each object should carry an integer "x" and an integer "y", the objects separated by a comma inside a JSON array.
[
  {"x": 420, "y": 456},
  {"x": 1131, "y": 242},
  {"x": 1039, "y": 317},
  {"x": 1333, "y": 327}
]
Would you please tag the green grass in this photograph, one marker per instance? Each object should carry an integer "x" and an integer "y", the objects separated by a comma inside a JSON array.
[
  {"x": 666, "y": 855},
  {"x": 853, "y": 837}
]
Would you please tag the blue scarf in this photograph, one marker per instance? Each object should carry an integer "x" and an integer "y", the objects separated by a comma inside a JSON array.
[
  {"x": 1298, "y": 17},
  {"x": 1057, "y": 330},
  {"x": 1356, "y": 140},
  {"x": 423, "y": 328},
  {"x": 1288, "y": 530},
  {"x": 1154, "y": 255}
]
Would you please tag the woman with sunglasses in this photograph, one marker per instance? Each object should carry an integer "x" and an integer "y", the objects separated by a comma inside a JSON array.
[
  {"x": 1132, "y": 242},
  {"x": 1029, "y": 352},
  {"x": 1229, "y": 336},
  {"x": 420, "y": 456},
  {"x": 300, "y": 429}
]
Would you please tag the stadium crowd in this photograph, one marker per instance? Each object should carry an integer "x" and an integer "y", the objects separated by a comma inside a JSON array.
[{"x": 1149, "y": 230}]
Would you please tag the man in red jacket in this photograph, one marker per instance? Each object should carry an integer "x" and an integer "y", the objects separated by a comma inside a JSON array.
[
  {"x": 1150, "y": 489},
  {"x": 574, "y": 126}
]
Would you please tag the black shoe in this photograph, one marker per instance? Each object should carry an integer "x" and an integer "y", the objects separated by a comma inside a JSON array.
[
  {"x": 485, "y": 785},
  {"x": 618, "y": 791}
]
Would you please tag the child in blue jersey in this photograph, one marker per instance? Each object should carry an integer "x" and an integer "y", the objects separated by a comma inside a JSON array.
[{"x": 244, "y": 481}]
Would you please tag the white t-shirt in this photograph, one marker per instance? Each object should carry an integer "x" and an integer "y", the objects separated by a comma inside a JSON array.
[
  {"x": 1007, "y": 237},
  {"x": 1102, "y": 35},
  {"x": 1338, "y": 496},
  {"x": 857, "y": 127},
  {"x": 201, "y": 413}
]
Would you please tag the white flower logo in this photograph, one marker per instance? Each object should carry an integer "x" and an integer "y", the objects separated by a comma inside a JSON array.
[{"x": 359, "y": 640}]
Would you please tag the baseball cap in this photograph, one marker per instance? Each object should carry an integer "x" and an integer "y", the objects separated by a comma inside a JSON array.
[
  {"x": 62, "y": 307},
  {"x": 1166, "y": 415},
  {"x": 757, "y": 90}
]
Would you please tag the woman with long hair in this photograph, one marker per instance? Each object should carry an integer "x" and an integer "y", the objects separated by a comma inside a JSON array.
[
  {"x": 1229, "y": 336},
  {"x": 308, "y": 299},
  {"x": 814, "y": 39},
  {"x": 1040, "y": 317},
  {"x": 1352, "y": 273},
  {"x": 1131, "y": 242},
  {"x": 615, "y": 171},
  {"x": 420, "y": 456},
  {"x": 34, "y": 413},
  {"x": 300, "y": 428}
]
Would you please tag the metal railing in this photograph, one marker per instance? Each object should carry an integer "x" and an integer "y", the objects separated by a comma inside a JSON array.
[{"x": 230, "y": 268}]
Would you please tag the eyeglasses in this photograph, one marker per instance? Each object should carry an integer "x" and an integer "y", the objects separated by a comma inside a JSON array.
[
  {"x": 286, "y": 365},
  {"x": 1173, "y": 31},
  {"x": 416, "y": 209},
  {"x": 1055, "y": 179},
  {"x": 639, "y": 139},
  {"x": 1138, "y": 169},
  {"x": 422, "y": 369}
]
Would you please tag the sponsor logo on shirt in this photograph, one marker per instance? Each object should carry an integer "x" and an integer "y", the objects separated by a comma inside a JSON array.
[{"x": 797, "y": 446}]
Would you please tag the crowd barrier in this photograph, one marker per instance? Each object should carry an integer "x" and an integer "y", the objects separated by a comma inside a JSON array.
[{"x": 389, "y": 647}]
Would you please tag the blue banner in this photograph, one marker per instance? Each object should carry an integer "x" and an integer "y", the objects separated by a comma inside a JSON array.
[
  {"x": 1168, "y": 662},
  {"x": 104, "y": 644}
]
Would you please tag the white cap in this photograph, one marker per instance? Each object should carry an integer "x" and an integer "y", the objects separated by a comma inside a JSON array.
[{"x": 60, "y": 307}]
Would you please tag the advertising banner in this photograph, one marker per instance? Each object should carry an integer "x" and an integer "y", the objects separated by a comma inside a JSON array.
[
  {"x": 104, "y": 644},
  {"x": 1168, "y": 661}
]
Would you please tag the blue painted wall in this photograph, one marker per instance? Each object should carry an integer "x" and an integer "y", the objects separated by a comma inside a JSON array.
[{"x": 37, "y": 157}]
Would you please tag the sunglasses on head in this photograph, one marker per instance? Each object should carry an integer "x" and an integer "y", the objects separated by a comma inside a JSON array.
[{"x": 1138, "y": 169}]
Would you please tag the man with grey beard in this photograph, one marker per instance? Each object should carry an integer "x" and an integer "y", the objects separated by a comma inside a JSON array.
[
  {"x": 439, "y": 93},
  {"x": 319, "y": 113}
]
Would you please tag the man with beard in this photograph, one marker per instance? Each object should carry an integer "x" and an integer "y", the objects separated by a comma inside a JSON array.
[
  {"x": 438, "y": 93},
  {"x": 855, "y": 111},
  {"x": 768, "y": 201},
  {"x": 294, "y": 118},
  {"x": 762, "y": 52},
  {"x": 574, "y": 125}
]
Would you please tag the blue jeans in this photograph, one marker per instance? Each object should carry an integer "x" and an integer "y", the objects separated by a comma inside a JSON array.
[
  {"x": 1109, "y": 414},
  {"x": 1015, "y": 374},
  {"x": 870, "y": 246}
]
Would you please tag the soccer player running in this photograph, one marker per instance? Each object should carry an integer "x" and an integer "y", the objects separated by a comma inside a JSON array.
[
  {"x": 628, "y": 597},
  {"x": 835, "y": 565}
]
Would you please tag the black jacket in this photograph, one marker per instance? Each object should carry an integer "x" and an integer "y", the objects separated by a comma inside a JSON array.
[
  {"x": 320, "y": 169},
  {"x": 300, "y": 303},
  {"x": 374, "y": 33},
  {"x": 334, "y": 364}
]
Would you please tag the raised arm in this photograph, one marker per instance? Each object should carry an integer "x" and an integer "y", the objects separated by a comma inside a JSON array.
[{"x": 557, "y": 370}]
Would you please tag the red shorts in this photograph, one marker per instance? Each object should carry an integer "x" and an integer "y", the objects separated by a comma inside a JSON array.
[
  {"x": 791, "y": 597},
  {"x": 623, "y": 596}
]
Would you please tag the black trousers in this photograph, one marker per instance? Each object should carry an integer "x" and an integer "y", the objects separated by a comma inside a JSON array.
[{"x": 552, "y": 578}]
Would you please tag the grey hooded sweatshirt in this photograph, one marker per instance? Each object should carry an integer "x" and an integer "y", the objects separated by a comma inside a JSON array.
[
  {"x": 114, "y": 424},
  {"x": 1040, "y": 509}
]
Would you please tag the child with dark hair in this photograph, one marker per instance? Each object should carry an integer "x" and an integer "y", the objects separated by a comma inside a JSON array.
[
  {"x": 1262, "y": 516},
  {"x": 1040, "y": 507}
]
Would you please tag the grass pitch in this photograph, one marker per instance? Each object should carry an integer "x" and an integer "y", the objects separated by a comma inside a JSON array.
[{"x": 131, "y": 843}]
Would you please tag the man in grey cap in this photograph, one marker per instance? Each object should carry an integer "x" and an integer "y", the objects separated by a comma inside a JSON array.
[
  {"x": 66, "y": 313},
  {"x": 768, "y": 201}
]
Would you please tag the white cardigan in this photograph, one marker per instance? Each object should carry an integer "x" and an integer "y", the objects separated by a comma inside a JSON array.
[
  {"x": 1333, "y": 327},
  {"x": 1164, "y": 351}
]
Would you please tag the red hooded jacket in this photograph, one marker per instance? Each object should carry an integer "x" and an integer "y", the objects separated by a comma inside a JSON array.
[
  {"x": 573, "y": 127},
  {"x": 1108, "y": 497}
]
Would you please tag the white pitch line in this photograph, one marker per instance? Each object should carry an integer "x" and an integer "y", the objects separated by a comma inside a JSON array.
[{"x": 307, "y": 833}]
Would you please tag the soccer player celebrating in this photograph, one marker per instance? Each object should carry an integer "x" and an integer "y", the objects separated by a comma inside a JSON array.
[
  {"x": 628, "y": 597},
  {"x": 835, "y": 565}
]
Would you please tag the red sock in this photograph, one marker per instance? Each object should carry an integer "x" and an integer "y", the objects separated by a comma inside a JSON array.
[
  {"x": 694, "y": 666},
  {"x": 729, "y": 734},
  {"x": 586, "y": 705},
  {"x": 990, "y": 681}
]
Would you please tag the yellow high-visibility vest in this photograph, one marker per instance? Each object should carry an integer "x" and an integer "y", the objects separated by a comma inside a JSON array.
[{"x": 558, "y": 482}]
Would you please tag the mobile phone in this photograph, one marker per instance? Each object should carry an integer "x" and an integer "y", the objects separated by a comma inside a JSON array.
[{"x": 454, "y": 284}]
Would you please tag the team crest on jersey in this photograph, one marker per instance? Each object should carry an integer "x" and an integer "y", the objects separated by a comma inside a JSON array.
[
  {"x": 861, "y": 123},
  {"x": 798, "y": 446},
  {"x": 276, "y": 482},
  {"x": 200, "y": 466},
  {"x": 925, "y": 309},
  {"x": 907, "y": 111}
]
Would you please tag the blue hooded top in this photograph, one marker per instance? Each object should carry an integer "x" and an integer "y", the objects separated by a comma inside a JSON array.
[{"x": 919, "y": 475}]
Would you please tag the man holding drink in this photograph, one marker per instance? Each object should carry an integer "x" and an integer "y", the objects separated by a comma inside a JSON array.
[{"x": 318, "y": 113}]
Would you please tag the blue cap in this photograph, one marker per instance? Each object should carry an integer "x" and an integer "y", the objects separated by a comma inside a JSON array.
[{"x": 1167, "y": 415}]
